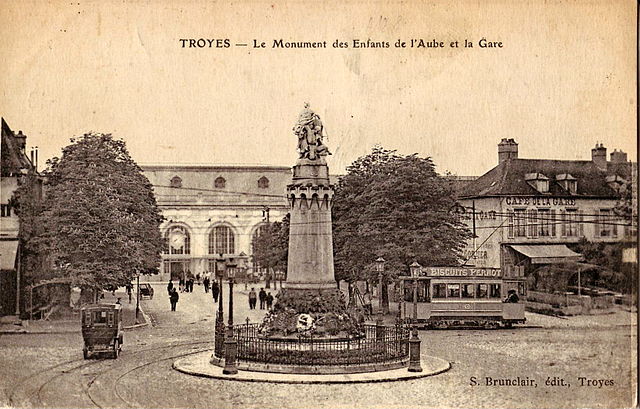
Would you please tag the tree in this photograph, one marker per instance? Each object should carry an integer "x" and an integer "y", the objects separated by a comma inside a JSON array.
[
  {"x": 271, "y": 245},
  {"x": 100, "y": 219},
  {"x": 396, "y": 207}
]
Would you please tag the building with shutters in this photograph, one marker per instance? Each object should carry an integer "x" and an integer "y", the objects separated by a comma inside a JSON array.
[{"x": 526, "y": 211}]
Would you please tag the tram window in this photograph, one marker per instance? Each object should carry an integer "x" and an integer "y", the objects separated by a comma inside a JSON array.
[
  {"x": 439, "y": 290},
  {"x": 521, "y": 289},
  {"x": 453, "y": 290},
  {"x": 483, "y": 290},
  {"x": 423, "y": 290},
  {"x": 408, "y": 293},
  {"x": 494, "y": 291},
  {"x": 467, "y": 290}
]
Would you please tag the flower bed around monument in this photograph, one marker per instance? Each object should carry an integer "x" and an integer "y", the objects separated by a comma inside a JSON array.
[{"x": 311, "y": 313}]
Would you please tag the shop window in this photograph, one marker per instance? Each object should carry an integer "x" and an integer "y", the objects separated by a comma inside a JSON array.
[
  {"x": 453, "y": 290},
  {"x": 494, "y": 291},
  {"x": 533, "y": 223},
  {"x": 605, "y": 223},
  {"x": 439, "y": 290},
  {"x": 220, "y": 183},
  {"x": 468, "y": 290},
  {"x": 483, "y": 290}
]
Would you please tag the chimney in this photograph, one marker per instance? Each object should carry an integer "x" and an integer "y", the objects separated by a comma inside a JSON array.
[
  {"x": 599, "y": 156},
  {"x": 507, "y": 149},
  {"x": 618, "y": 156},
  {"x": 21, "y": 139}
]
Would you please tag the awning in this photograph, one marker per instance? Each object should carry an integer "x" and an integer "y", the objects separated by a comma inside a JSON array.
[
  {"x": 547, "y": 253},
  {"x": 8, "y": 250}
]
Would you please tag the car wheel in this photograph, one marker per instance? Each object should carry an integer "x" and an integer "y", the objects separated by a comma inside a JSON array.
[{"x": 116, "y": 349}]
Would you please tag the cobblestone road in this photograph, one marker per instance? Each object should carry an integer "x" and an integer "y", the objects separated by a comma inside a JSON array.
[{"x": 589, "y": 347}]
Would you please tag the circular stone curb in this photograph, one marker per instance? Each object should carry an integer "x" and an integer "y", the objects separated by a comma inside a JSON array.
[{"x": 198, "y": 365}]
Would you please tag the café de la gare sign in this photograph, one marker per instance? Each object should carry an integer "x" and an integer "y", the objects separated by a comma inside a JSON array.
[
  {"x": 539, "y": 201},
  {"x": 461, "y": 272}
]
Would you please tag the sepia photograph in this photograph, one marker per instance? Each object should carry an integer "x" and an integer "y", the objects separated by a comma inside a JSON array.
[{"x": 302, "y": 204}]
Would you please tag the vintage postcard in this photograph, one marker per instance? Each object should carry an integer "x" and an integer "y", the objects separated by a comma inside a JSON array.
[{"x": 319, "y": 204}]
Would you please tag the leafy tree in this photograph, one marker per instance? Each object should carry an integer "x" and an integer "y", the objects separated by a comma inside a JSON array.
[
  {"x": 100, "y": 219},
  {"x": 271, "y": 245},
  {"x": 396, "y": 207}
]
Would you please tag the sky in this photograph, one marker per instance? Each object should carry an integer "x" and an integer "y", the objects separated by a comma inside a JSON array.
[{"x": 564, "y": 79}]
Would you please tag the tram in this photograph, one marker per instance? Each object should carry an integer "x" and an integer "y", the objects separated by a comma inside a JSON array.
[{"x": 444, "y": 297}]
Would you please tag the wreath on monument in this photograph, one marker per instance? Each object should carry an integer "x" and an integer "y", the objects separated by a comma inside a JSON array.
[{"x": 310, "y": 313}]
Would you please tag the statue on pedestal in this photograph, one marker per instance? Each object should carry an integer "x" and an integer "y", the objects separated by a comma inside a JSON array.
[{"x": 309, "y": 129}]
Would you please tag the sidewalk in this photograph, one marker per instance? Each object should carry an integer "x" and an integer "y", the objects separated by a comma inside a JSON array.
[{"x": 73, "y": 325}]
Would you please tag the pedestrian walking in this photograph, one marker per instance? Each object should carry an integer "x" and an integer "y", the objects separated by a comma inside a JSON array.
[
  {"x": 190, "y": 281},
  {"x": 170, "y": 287},
  {"x": 174, "y": 299},
  {"x": 269, "y": 300},
  {"x": 252, "y": 299},
  {"x": 181, "y": 284},
  {"x": 206, "y": 283},
  {"x": 129, "y": 291},
  {"x": 215, "y": 290},
  {"x": 262, "y": 295}
]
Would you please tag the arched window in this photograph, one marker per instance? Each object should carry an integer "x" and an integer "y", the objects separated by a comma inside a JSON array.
[
  {"x": 219, "y": 183},
  {"x": 222, "y": 240},
  {"x": 263, "y": 183},
  {"x": 176, "y": 181},
  {"x": 177, "y": 241}
]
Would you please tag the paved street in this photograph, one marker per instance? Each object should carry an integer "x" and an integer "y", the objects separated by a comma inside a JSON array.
[{"x": 47, "y": 370}]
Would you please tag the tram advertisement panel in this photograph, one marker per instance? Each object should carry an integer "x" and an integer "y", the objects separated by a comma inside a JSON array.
[{"x": 461, "y": 272}]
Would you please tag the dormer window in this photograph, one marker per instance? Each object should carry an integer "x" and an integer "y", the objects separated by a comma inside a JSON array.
[
  {"x": 220, "y": 182},
  {"x": 616, "y": 183},
  {"x": 263, "y": 183},
  {"x": 568, "y": 182},
  {"x": 176, "y": 181},
  {"x": 538, "y": 181}
]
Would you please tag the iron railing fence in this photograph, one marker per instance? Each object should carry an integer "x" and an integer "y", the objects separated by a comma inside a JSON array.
[{"x": 378, "y": 344}]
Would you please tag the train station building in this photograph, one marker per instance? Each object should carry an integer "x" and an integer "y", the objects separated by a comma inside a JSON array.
[
  {"x": 526, "y": 212},
  {"x": 214, "y": 210}
]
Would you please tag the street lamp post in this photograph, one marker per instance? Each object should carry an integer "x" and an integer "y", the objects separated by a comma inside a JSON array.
[
  {"x": 415, "y": 269},
  {"x": 379, "y": 264},
  {"x": 219, "y": 327},
  {"x": 230, "y": 344}
]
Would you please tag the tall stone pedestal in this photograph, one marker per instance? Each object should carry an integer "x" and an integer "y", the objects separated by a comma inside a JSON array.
[{"x": 310, "y": 263}]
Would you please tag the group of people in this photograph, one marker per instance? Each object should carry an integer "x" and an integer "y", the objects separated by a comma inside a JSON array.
[
  {"x": 186, "y": 286},
  {"x": 266, "y": 299}
]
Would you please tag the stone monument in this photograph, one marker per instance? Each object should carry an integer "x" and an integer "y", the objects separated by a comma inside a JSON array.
[
  {"x": 310, "y": 262},
  {"x": 310, "y": 303}
]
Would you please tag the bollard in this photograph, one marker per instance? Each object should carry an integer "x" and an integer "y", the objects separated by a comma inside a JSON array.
[
  {"x": 230, "y": 353},
  {"x": 414, "y": 352}
]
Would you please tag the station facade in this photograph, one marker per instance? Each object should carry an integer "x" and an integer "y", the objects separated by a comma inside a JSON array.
[
  {"x": 526, "y": 211},
  {"x": 214, "y": 212}
]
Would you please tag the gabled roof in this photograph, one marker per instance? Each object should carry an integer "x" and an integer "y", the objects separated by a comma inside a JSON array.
[
  {"x": 13, "y": 161},
  {"x": 508, "y": 178}
]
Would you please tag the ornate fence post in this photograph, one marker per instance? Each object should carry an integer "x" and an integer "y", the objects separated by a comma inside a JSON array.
[{"x": 414, "y": 352}]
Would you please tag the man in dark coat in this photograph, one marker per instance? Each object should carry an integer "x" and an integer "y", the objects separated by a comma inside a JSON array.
[
  {"x": 262, "y": 295},
  {"x": 215, "y": 290},
  {"x": 170, "y": 287},
  {"x": 174, "y": 299},
  {"x": 269, "y": 300},
  {"x": 252, "y": 299},
  {"x": 206, "y": 283}
]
